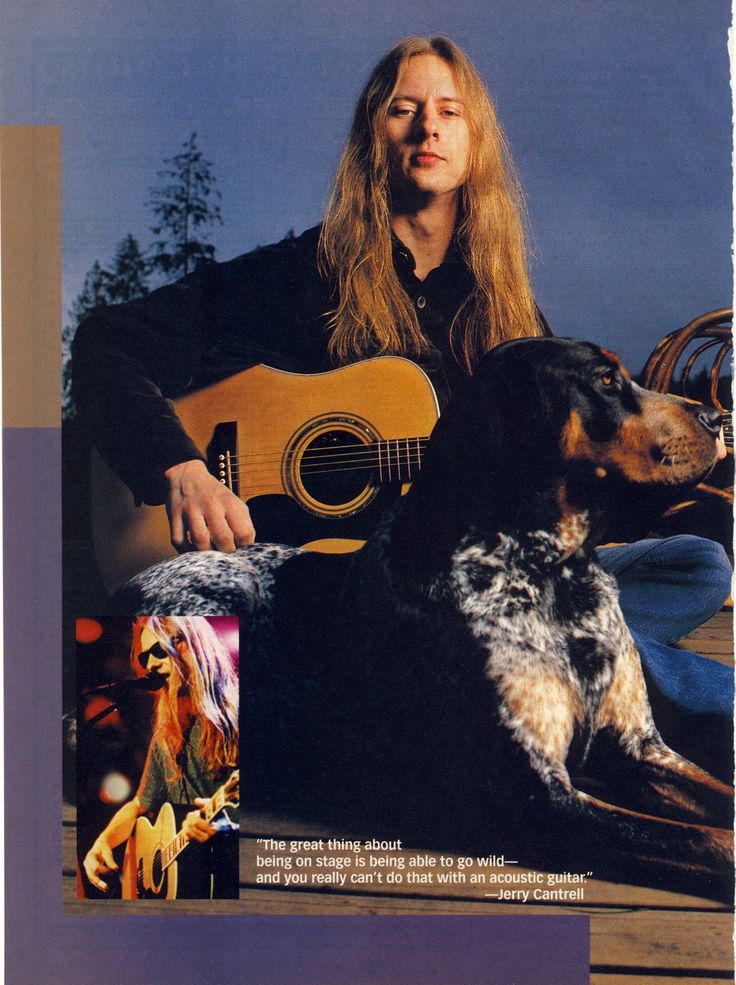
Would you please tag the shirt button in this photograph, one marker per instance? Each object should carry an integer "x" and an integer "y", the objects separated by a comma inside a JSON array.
[{"x": 421, "y": 302}]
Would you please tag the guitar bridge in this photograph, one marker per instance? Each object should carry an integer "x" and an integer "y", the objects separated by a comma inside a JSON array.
[{"x": 222, "y": 455}]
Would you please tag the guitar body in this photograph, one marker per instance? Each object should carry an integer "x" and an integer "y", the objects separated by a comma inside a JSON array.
[
  {"x": 268, "y": 434},
  {"x": 151, "y": 869},
  {"x": 143, "y": 874}
]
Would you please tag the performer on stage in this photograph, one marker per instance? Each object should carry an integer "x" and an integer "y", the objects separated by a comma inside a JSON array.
[{"x": 194, "y": 747}]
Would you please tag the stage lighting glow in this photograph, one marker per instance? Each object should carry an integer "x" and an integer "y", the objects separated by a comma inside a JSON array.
[
  {"x": 115, "y": 788},
  {"x": 88, "y": 630}
]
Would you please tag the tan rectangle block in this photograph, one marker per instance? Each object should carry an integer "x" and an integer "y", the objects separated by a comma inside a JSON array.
[{"x": 30, "y": 263}]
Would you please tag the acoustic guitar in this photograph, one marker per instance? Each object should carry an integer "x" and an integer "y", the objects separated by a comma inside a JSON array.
[
  {"x": 313, "y": 455},
  {"x": 150, "y": 867}
]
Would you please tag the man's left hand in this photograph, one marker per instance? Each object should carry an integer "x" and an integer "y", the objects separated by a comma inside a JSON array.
[{"x": 195, "y": 827}]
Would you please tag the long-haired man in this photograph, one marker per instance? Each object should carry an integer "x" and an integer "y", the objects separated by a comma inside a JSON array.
[{"x": 194, "y": 745}]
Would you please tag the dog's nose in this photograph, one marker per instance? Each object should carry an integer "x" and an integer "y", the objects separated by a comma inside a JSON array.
[{"x": 711, "y": 419}]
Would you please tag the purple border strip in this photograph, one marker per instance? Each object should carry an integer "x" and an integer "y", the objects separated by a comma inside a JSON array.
[{"x": 47, "y": 948}]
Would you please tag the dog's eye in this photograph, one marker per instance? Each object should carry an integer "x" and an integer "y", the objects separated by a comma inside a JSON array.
[{"x": 610, "y": 381}]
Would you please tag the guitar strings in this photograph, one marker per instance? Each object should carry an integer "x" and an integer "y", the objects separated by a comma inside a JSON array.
[
  {"x": 386, "y": 456},
  {"x": 320, "y": 460},
  {"x": 368, "y": 449},
  {"x": 364, "y": 461},
  {"x": 397, "y": 467}
]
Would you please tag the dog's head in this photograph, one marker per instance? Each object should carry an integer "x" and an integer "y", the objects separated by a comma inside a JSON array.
[
  {"x": 549, "y": 425},
  {"x": 594, "y": 413}
]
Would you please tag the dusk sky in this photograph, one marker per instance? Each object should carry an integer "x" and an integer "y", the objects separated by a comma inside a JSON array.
[{"x": 617, "y": 111}]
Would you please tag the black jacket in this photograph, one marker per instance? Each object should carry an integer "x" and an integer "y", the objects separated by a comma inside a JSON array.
[{"x": 268, "y": 306}]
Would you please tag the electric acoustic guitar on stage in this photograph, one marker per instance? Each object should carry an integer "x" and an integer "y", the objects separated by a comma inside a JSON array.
[
  {"x": 151, "y": 869},
  {"x": 313, "y": 455}
]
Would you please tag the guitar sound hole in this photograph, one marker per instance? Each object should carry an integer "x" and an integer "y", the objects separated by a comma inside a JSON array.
[
  {"x": 156, "y": 868},
  {"x": 336, "y": 467}
]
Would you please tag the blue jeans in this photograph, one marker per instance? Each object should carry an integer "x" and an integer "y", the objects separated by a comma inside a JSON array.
[{"x": 667, "y": 589}]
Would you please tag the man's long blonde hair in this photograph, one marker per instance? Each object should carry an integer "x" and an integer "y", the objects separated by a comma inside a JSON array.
[
  {"x": 201, "y": 665},
  {"x": 374, "y": 313}
]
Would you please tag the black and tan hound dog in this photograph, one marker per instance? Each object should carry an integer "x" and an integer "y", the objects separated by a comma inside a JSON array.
[{"x": 468, "y": 673}]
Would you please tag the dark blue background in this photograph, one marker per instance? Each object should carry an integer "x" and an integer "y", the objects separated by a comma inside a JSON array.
[{"x": 618, "y": 113}]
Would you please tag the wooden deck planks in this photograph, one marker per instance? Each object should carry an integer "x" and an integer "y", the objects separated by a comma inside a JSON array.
[{"x": 714, "y": 639}]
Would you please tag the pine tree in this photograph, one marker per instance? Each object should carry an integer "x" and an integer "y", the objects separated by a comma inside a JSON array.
[
  {"x": 95, "y": 292},
  {"x": 183, "y": 207},
  {"x": 127, "y": 280}
]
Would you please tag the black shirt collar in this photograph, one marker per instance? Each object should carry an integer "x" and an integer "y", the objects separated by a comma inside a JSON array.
[{"x": 404, "y": 259}]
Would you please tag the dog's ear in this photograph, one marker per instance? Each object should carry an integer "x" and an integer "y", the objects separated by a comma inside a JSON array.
[
  {"x": 510, "y": 412},
  {"x": 496, "y": 446}
]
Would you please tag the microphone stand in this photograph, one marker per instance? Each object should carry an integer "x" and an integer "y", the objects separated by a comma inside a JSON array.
[{"x": 152, "y": 682}]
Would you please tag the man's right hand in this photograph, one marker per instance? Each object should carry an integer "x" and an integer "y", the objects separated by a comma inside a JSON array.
[
  {"x": 97, "y": 862},
  {"x": 203, "y": 513}
]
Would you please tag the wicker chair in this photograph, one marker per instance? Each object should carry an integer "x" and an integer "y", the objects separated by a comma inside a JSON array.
[{"x": 700, "y": 349}]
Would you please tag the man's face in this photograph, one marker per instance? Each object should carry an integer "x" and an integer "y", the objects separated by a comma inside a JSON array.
[
  {"x": 153, "y": 655},
  {"x": 427, "y": 130}
]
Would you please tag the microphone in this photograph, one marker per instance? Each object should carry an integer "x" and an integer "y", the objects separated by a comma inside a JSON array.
[{"x": 151, "y": 682}]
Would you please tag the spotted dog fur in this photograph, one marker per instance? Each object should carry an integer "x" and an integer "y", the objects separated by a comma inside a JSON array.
[
  {"x": 468, "y": 674},
  {"x": 208, "y": 583}
]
